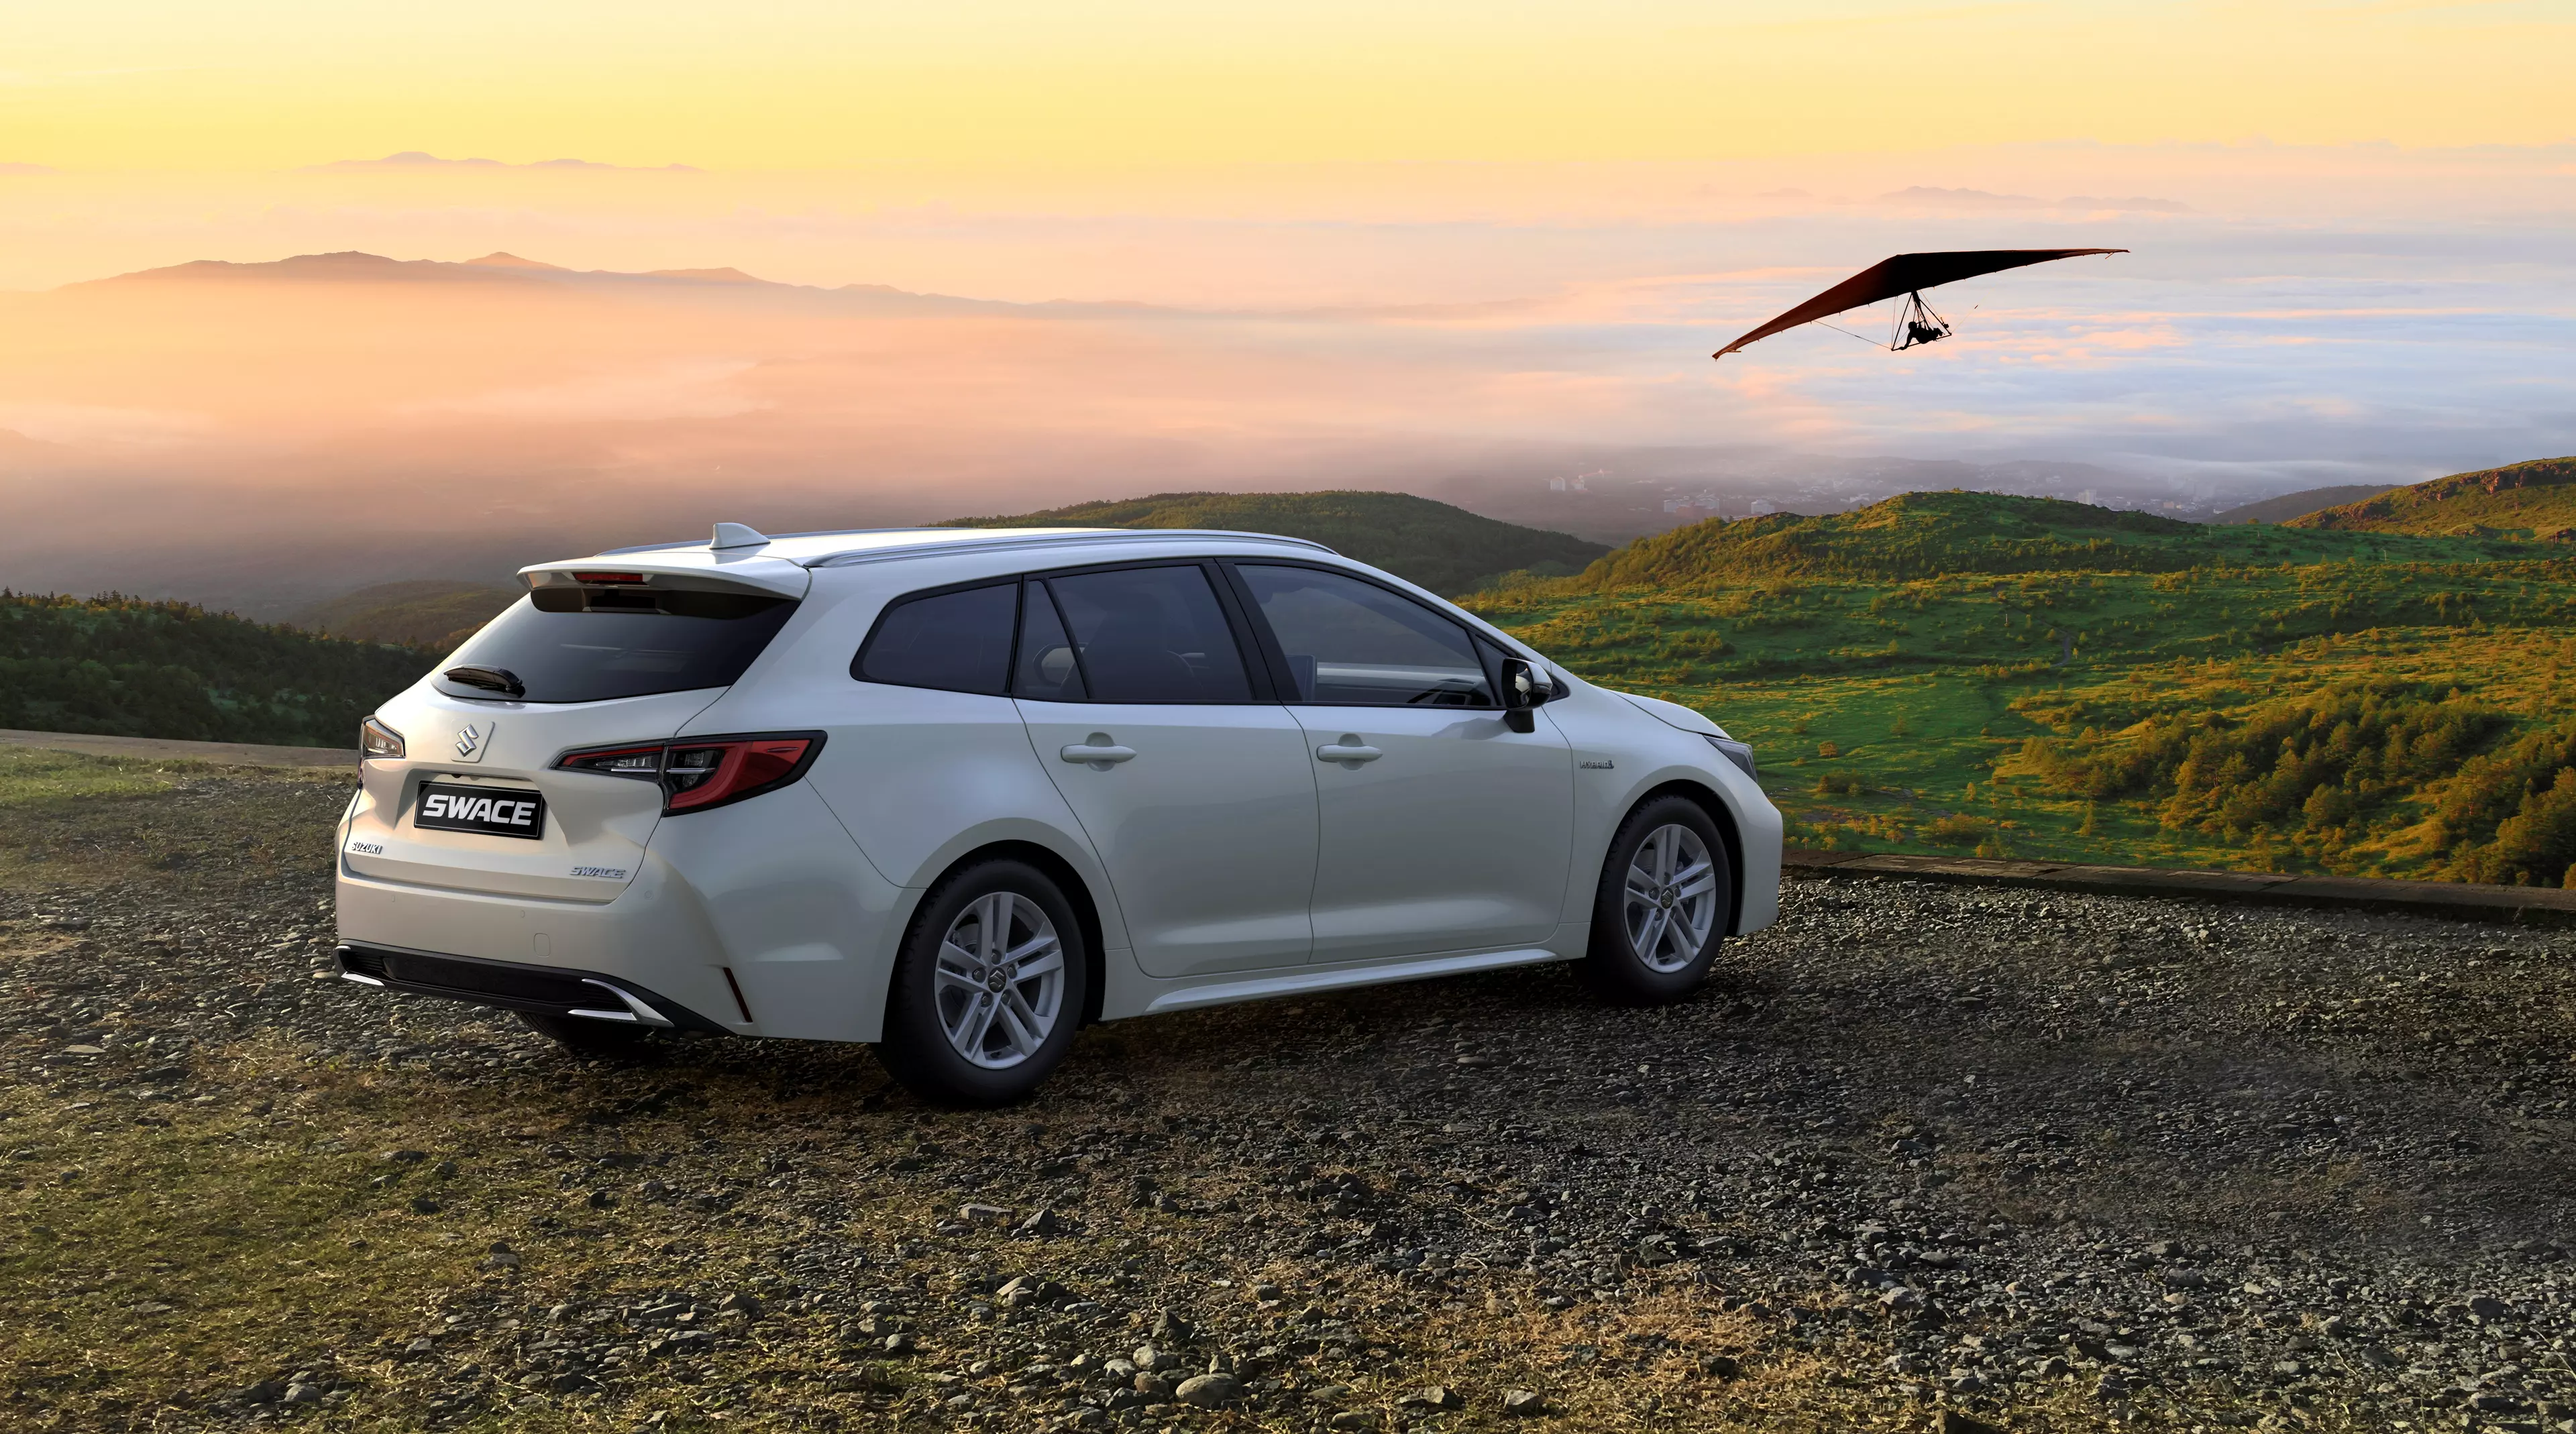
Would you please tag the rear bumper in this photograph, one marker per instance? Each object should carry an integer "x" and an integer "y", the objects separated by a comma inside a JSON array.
[
  {"x": 510, "y": 986},
  {"x": 763, "y": 907}
]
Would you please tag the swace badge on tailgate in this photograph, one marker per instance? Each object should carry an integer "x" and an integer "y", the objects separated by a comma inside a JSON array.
[{"x": 490, "y": 811}]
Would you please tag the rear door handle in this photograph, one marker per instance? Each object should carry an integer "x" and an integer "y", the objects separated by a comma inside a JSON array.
[
  {"x": 1100, "y": 753},
  {"x": 1350, "y": 751}
]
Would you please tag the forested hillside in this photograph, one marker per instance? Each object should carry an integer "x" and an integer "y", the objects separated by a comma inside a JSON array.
[
  {"x": 125, "y": 667},
  {"x": 2028, "y": 677},
  {"x": 430, "y": 613}
]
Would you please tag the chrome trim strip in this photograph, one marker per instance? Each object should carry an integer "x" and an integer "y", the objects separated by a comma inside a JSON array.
[
  {"x": 635, "y": 1010},
  {"x": 1304, "y": 983},
  {"x": 361, "y": 980}
]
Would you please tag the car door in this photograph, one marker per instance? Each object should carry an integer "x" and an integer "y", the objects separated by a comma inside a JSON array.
[
  {"x": 1442, "y": 829},
  {"x": 1188, "y": 776}
]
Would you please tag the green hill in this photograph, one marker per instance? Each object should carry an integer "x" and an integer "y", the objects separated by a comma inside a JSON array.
[
  {"x": 129, "y": 668},
  {"x": 431, "y": 613},
  {"x": 2534, "y": 500},
  {"x": 2298, "y": 505},
  {"x": 2029, "y": 677},
  {"x": 1445, "y": 549},
  {"x": 1921, "y": 535}
]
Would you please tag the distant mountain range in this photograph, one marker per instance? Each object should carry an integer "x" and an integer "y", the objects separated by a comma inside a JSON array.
[
  {"x": 505, "y": 272},
  {"x": 1444, "y": 548}
]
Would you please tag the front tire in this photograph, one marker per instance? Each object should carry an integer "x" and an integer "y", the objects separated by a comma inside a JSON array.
[
  {"x": 989, "y": 988},
  {"x": 1661, "y": 908}
]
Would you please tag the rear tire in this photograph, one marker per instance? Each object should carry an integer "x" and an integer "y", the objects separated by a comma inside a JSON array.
[
  {"x": 1661, "y": 909},
  {"x": 608, "y": 1039},
  {"x": 989, "y": 988}
]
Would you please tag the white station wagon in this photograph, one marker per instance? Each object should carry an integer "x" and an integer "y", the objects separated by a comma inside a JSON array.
[{"x": 959, "y": 792}]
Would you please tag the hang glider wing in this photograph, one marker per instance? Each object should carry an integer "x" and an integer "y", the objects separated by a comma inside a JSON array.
[{"x": 1905, "y": 274}]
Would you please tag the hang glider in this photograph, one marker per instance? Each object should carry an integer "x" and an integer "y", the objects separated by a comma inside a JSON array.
[{"x": 1910, "y": 275}]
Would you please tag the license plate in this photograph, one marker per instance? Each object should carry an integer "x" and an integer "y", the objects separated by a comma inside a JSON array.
[{"x": 512, "y": 812}]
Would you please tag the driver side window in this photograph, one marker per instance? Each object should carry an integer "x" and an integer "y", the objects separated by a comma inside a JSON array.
[{"x": 1355, "y": 644}]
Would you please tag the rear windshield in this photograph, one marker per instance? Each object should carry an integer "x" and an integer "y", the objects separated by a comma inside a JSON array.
[{"x": 567, "y": 644}]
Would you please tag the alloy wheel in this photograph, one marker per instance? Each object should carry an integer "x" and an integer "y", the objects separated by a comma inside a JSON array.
[
  {"x": 1671, "y": 900},
  {"x": 1001, "y": 980}
]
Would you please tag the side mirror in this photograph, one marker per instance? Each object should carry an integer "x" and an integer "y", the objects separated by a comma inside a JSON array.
[{"x": 1523, "y": 690}]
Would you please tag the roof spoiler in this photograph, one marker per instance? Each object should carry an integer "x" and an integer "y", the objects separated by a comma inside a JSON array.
[{"x": 735, "y": 569}]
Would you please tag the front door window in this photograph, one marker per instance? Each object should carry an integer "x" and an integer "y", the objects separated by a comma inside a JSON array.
[{"x": 1355, "y": 644}]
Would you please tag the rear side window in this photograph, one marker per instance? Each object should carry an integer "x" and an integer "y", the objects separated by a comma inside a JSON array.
[
  {"x": 954, "y": 641},
  {"x": 1152, "y": 635},
  {"x": 568, "y": 644}
]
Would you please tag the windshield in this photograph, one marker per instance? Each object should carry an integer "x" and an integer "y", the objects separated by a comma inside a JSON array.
[{"x": 567, "y": 644}]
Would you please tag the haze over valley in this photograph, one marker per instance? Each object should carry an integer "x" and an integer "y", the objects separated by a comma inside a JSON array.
[{"x": 1528, "y": 341}]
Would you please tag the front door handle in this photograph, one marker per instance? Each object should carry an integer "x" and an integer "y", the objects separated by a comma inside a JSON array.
[
  {"x": 1098, "y": 752},
  {"x": 1350, "y": 751}
]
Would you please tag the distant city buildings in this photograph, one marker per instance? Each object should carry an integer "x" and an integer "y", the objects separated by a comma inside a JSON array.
[{"x": 1693, "y": 507}]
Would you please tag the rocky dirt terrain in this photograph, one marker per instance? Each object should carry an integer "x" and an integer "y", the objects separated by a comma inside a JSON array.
[{"x": 1922, "y": 1157}]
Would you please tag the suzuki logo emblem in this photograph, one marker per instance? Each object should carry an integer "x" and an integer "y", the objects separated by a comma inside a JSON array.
[{"x": 470, "y": 741}]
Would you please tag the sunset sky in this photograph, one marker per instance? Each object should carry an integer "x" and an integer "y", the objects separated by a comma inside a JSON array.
[
  {"x": 1382, "y": 243},
  {"x": 159, "y": 84}
]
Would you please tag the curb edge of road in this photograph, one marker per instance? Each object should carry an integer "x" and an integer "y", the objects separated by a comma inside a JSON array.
[{"x": 2462, "y": 901}]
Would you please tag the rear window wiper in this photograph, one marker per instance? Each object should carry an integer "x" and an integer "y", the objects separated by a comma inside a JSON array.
[{"x": 490, "y": 679}]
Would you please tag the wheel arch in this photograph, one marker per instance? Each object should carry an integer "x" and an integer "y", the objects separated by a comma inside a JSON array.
[
  {"x": 1721, "y": 816},
  {"x": 1086, "y": 907}
]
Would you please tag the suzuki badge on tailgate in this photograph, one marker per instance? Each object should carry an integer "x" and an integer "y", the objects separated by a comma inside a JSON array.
[{"x": 501, "y": 811}]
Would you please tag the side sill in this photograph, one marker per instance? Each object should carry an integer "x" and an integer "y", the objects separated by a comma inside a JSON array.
[{"x": 1304, "y": 983}]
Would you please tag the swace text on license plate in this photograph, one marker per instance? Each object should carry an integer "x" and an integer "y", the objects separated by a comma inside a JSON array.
[{"x": 490, "y": 811}]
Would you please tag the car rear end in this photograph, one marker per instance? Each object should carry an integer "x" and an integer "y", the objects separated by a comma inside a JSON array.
[{"x": 507, "y": 844}]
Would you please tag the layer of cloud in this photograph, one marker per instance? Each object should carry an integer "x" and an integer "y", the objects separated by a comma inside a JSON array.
[{"x": 1934, "y": 197}]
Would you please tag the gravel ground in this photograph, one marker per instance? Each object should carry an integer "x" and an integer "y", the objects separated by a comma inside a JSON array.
[{"x": 1921, "y": 1157}]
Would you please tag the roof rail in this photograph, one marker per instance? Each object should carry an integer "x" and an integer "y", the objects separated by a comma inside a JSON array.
[
  {"x": 1004, "y": 540},
  {"x": 951, "y": 540}
]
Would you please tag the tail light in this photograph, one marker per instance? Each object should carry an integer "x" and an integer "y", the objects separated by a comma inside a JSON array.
[
  {"x": 375, "y": 739},
  {"x": 696, "y": 773}
]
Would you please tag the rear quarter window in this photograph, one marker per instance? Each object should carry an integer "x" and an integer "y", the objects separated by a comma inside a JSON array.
[
  {"x": 954, "y": 641},
  {"x": 568, "y": 644}
]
